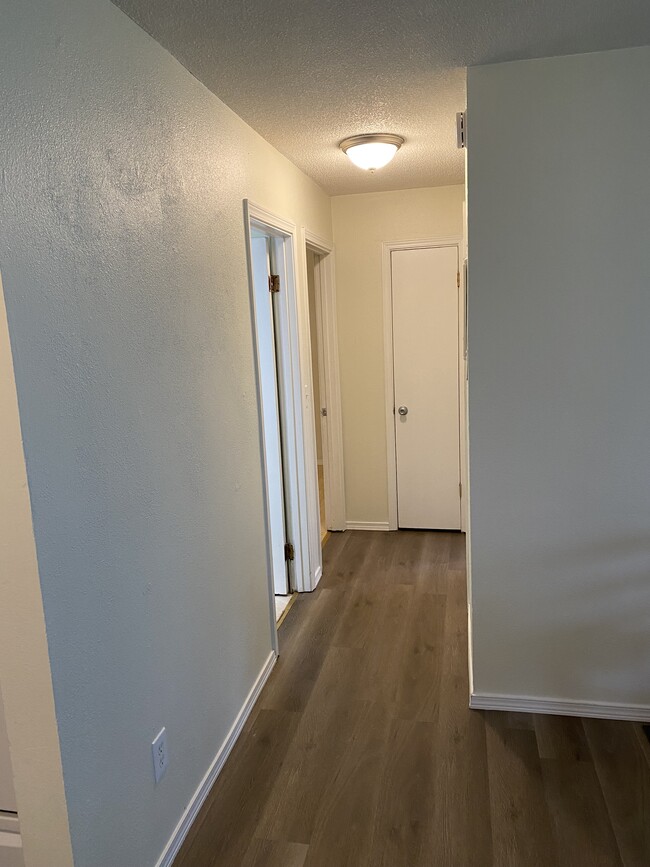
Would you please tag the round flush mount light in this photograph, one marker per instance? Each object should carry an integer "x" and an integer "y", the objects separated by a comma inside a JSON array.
[{"x": 371, "y": 152}]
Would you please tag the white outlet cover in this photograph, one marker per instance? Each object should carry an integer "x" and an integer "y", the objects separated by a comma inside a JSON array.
[{"x": 160, "y": 755}]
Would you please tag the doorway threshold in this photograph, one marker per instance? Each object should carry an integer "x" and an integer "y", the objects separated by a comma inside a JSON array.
[{"x": 282, "y": 606}]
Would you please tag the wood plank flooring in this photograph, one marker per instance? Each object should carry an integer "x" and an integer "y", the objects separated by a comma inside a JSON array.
[{"x": 362, "y": 752}]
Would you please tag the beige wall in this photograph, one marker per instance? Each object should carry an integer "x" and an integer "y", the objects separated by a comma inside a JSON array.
[
  {"x": 559, "y": 355},
  {"x": 124, "y": 267},
  {"x": 360, "y": 224}
]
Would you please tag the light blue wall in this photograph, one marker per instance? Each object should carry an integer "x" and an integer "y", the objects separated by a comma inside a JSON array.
[
  {"x": 123, "y": 259},
  {"x": 559, "y": 359}
]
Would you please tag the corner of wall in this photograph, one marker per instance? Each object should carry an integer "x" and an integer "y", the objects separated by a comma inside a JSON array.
[{"x": 24, "y": 659}]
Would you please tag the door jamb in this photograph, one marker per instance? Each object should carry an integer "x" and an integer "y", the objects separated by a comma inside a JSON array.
[
  {"x": 326, "y": 306},
  {"x": 387, "y": 248}
]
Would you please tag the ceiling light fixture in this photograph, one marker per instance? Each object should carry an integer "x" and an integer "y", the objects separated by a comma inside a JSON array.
[{"x": 371, "y": 152}]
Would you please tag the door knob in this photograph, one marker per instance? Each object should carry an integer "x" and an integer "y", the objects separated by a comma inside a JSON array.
[{"x": 403, "y": 410}]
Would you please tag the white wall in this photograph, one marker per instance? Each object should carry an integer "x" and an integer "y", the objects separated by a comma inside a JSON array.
[
  {"x": 123, "y": 256},
  {"x": 559, "y": 307},
  {"x": 361, "y": 223}
]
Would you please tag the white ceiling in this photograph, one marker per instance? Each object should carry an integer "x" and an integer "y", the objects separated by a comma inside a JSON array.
[{"x": 306, "y": 74}]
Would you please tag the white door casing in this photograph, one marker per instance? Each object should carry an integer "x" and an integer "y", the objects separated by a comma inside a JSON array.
[{"x": 425, "y": 338}]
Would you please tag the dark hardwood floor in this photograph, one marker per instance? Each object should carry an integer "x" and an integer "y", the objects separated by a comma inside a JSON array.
[{"x": 362, "y": 752}]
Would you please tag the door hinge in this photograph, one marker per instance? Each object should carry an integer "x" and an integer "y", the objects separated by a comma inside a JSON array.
[
  {"x": 461, "y": 129},
  {"x": 458, "y": 279},
  {"x": 460, "y": 489},
  {"x": 274, "y": 282},
  {"x": 289, "y": 551}
]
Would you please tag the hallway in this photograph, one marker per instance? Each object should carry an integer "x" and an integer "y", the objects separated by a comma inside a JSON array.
[{"x": 362, "y": 752}]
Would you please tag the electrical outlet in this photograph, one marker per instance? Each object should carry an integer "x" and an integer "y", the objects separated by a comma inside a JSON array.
[{"x": 160, "y": 755}]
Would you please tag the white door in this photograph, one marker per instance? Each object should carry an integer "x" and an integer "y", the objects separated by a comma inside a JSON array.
[
  {"x": 425, "y": 359},
  {"x": 270, "y": 412}
]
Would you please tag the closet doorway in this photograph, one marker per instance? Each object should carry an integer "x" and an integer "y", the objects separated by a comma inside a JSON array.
[{"x": 425, "y": 383}]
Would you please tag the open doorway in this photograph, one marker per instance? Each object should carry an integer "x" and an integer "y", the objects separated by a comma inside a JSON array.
[
  {"x": 326, "y": 404},
  {"x": 283, "y": 355},
  {"x": 271, "y": 248},
  {"x": 319, "y": 405},
  {"x": 283, "y": 347}
]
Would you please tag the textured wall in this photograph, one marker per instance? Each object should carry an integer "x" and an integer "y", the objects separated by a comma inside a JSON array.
[
  {"x": 123, "y": 257},
  {"x": 559, "y": 357},
  {"x": 361, "y": 223}
]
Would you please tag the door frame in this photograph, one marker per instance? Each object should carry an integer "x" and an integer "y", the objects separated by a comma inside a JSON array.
[
  {"x": 295, "y": 475},
  {"x": 387, "y": 248},
  {"x": 330, "y": 383}
]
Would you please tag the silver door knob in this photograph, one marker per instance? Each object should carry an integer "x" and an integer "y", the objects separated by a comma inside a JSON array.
[{"x": 403, "y": 410}]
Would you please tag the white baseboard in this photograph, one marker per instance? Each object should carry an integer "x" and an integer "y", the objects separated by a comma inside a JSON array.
[
  {"x": 367, "y": 525},
  {"x": 560, "y": 707},
  {"x": 8, "y": 840},
  {"x": 180, "y": 832},
  {"x": 11, "y": 850},
  {"x": 470, "y": 649},
  {"x": 9, "y": 823},
  {"x": 318, "y": 574}
]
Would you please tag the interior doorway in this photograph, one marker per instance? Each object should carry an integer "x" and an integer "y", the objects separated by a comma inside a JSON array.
[
  {"x": 271, "y": 243},
  {"x": 278, "y": 282},
  {"x": 326, "y": 403},
  {"x": 425, "y": 389},
  {"x": 318, "y": 403}
]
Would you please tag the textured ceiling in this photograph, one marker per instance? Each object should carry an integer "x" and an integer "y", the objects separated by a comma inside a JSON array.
[{"x": 306, "y": 74}]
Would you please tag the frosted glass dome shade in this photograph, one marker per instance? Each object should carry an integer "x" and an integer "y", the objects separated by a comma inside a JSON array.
[{"x": 371, "y": 152}]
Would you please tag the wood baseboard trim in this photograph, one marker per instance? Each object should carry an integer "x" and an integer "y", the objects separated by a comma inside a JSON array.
[
  {"x": 367, "y": 525},
  {"x": 559, "y": 707},
  {"x": 180, "y": 832}
]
